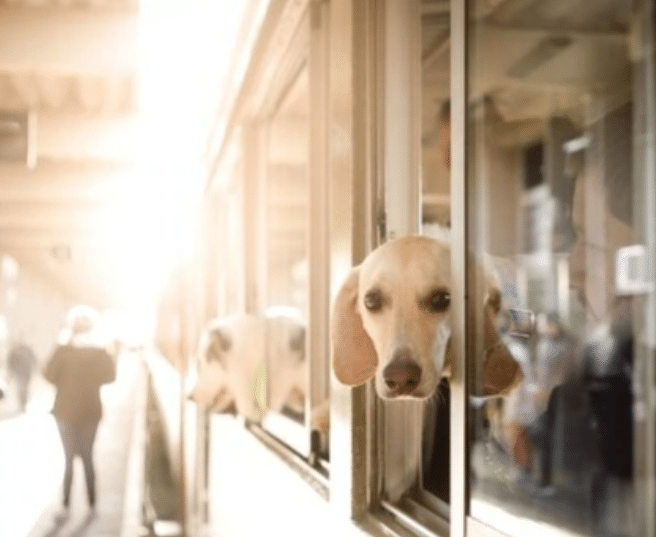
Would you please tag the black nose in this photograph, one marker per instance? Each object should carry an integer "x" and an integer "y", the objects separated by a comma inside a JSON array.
[{"x": 402, "y": 375}]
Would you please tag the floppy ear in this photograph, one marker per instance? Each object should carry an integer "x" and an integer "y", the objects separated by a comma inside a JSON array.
[
  {"x": 500, "y": 370},
  {"x": 353, "y": 355}
]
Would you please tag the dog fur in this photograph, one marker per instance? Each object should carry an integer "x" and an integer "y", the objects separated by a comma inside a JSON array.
[
  {"x": 231, "y": 349},
  {"x": 391, "y": 322},
  {"x": 235, "y": 349}
]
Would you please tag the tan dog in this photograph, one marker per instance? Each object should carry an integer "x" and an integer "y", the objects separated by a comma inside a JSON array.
[
  {"x": 231, "y": 349},
  {"x": 286, "y": 366},
  {"x": 242, "y": 356},
  {"x": 391, "y": 321}
]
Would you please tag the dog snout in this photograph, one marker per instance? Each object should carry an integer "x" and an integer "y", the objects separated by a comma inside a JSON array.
[{"x": 402, "y": 375}]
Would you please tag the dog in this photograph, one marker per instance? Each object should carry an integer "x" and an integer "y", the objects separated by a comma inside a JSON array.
[
  {"x": 391, "y": 322},
  {"x": 286, "y": 368},
  {"x": 250, "y": 365},
  {"x": 230, "y": 350}
]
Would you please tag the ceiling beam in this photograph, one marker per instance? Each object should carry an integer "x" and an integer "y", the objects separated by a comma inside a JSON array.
[
  {"x": 46, "y": 89},
  {"x": 65, "y": 180},
  {"x": 77, "y": 136},
  {"x": 18, "y": 216},
  {"x": 28, "y": 240},
  {"x": 79, "y": 41}
]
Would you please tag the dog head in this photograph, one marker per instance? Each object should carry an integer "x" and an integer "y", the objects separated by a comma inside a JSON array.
[
  {"x": 231, "y": 349},
  {"x": 251, "y": 364},
  {"x": 286, "y": 369},
  {"x": 391, "y": 321}
]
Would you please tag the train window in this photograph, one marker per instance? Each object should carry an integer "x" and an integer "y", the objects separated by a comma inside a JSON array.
[
  {"x": 286, "y": 231},
  {"x": 434, "y": 476},
  {"x": 415, "y": 435},
  {"x": 293, "y": 245},
  {"x": 436, "y": 222},
  {"x": 226, "y": 211},
  {"x": 556, "y": 171}
]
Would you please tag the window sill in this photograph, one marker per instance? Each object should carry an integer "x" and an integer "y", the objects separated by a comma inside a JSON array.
[{"x": 317, "y": 478}]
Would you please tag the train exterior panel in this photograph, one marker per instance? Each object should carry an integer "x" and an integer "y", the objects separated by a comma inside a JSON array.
[{"x": 521, "y": 133}]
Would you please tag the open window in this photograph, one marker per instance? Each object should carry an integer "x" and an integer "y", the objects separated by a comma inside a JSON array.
[
  {"x": 286, "y": 232},
  {"x": 292, "y": 249},
  {"x": 554, "y": 196},
  {"x": 414, "y": 437}
]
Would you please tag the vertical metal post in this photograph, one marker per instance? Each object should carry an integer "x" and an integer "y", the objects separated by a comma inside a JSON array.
[
  {"x": 402, "y": 116},
  {"x": 348, "y": 213},
  {"x": 645, "y": 198},
  {"x": 400, "y": 106},
  {"x": 318, "y": 245},
  {"x": 459, "y": 236}
]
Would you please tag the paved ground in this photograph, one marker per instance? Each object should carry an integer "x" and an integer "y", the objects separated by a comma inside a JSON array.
[{"x": 31, "y": 464}]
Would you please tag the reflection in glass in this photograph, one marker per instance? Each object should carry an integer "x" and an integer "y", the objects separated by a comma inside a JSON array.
[
  {"x": 551, "y": 177},
  {"x": 287, "y": 198}
]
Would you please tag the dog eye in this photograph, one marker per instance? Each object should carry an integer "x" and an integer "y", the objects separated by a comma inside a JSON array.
[
  {"x": 439, "y": 301},
  {"x": 373, "y": 301},
  {"x": 222, "y": 340}
]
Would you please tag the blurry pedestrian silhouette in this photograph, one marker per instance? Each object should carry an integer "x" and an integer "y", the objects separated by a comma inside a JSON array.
[
  {"x": 79, "y": 366},
  {"x": 21, "y": 364}
]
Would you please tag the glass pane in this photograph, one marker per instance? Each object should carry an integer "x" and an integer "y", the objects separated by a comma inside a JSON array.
[
  {"x": 436, "y": 221},
  {"x": 552, "y": 184},
  {"x": 286, "y": 247}
]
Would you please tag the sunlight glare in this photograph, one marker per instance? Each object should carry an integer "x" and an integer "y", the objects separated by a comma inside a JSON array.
[{"x": 184, "y": 58}]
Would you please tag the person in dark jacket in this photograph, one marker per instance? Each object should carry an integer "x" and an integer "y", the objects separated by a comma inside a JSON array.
[{"x": 79, "y": 366}]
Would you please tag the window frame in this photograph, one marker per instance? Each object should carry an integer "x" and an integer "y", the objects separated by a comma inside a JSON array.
[
  {"x": 289, "y": 34},
  {"x": 353, "y": 139},
  {"x": 293, "y": 62},
  {"x": 644, "y": 430},
  {"x": 307, "y": 49},
  {"x": 417, "y": 508},
  {"x": 398, "y": 35}
]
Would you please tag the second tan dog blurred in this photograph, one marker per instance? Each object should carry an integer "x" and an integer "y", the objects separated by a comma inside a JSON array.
[{"x": 237, "y": 350}]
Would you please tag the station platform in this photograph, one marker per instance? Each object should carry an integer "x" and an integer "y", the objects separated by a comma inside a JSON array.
[{"x": 32, "y": 462}]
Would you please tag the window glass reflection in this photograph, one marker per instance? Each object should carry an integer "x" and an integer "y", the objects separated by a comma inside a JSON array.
[
  {"x": 287, "y": 198},
  {"x": 551, "y": 177}
]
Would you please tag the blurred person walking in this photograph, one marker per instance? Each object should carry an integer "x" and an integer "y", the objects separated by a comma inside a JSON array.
[
  {"x": 21, "y": 364},
  {"x": 79, "y": 366}
]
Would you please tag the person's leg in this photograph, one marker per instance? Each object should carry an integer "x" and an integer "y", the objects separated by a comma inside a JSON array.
[
  {"x": 87, "y": 438},
  {"x": 67, "y": 434}
]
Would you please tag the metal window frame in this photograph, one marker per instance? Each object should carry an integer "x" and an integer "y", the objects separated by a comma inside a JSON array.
[
  {"x": 645, "y": 374},
  {"x": 645, "y": 432},
  {"x": 460, "y": 347},
  {"x": 352, "y": 186},
  {"x": 288, "y": 41},
  {"x": 308, "y": 50},
  {"x": 401, "y": 170},
  {"x": 400, "y": 167},
  {"x": 407, "y": 516},
  {"x": 291, "y": 64},
  {"x": 399, "y": 28},
  {"x": 319, "y": 245}
]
